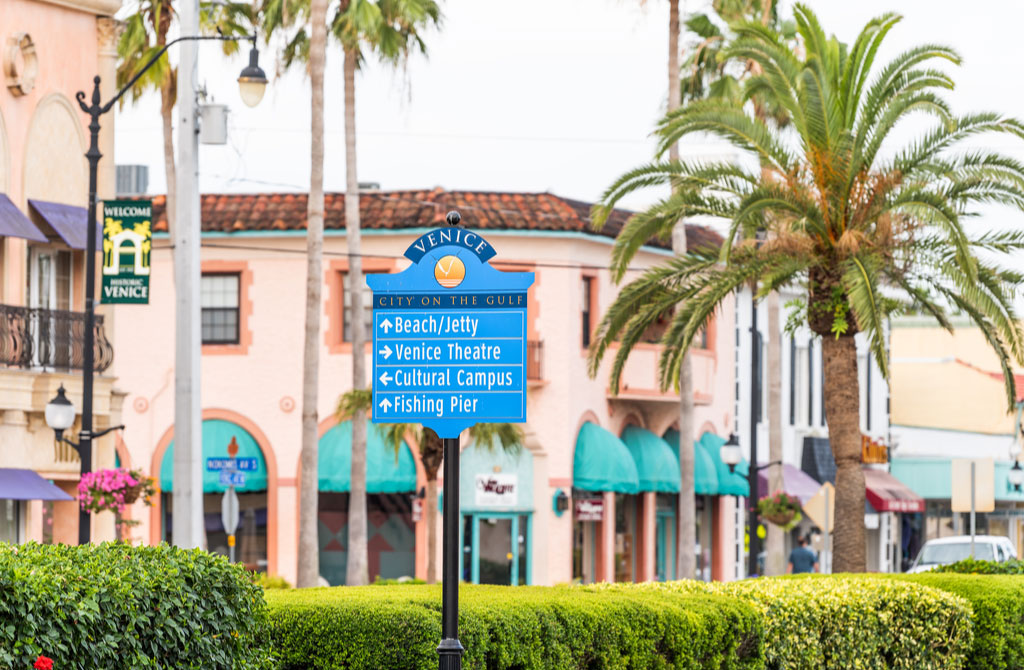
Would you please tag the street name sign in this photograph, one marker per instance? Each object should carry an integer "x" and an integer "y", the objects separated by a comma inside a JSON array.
[
  {"x": 236, "y": 464},
  {"x": 449, "y": 336},
  {"x": 232, "y": 478}
]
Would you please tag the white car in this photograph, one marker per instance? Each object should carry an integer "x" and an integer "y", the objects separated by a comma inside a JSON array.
[{"x": 946, "y": 550}]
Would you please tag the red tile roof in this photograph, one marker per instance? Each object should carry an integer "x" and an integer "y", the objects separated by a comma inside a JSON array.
[{"x": 412, "y": 209}]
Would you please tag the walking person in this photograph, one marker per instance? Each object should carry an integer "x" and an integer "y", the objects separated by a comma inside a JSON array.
[{"x": 802, "y": 559}]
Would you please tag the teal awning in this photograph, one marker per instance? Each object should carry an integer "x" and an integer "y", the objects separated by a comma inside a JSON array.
[
  {"x": 729, "y": 483},
  {"x": 656, "y": 466},
  {"x": 932, "y": 478},
  {"x": 217, "y": 435},
  {"x": 602, "y": 462},
  {"x": 384, "y": 472},
  {"x": 705, "y": 477}
]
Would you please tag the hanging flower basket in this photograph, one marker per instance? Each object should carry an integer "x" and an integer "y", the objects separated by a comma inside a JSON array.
[
  {"x": 780, "y": 509},
  {"x": 110, "y": 490}
]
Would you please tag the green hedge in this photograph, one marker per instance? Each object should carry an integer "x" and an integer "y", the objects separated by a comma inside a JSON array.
[
  {"x": 844, "y": 622},
  {"x": 114, "y": 606},
  {"x": 970, "y": 566},
  {"x": 997, "y": 602},
  {"x": 506, "y": 628}
]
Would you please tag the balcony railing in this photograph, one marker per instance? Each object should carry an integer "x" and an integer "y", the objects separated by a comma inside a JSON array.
[
  {"x": 49, "y": 339},
  {"x": 534, "y": 355}
]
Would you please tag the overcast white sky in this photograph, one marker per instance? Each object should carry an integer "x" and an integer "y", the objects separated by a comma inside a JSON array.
[{"x": 532, "y": 95}]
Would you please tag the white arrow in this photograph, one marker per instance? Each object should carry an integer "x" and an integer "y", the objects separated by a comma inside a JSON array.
[
  {"x": 386, "y": 404},
  {"x": 385, "y": 352},
  {"x": 386, "y": 325},
  {"x": 385, "y": 378}
]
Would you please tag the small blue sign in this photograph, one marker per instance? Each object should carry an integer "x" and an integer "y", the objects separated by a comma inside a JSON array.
[
  {"x": 236, "y": 464},
  {"x": 231, "y": 478},
  {"x": 449, "y": 337}
]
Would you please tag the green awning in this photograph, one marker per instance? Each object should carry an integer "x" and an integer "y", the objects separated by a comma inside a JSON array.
[
  {"x": 705, "y": 477},
  {"x": 217, "y": 435},
  {"x": 932, "y": 478},
  {"x": 602, "y": 462},
  {"x": 656, "y": 466},
  {"x": 384, "y": 472},
  {"x": 729, "y": 483}
]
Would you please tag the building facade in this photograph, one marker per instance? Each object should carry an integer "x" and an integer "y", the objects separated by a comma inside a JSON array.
[
  {"x": 592, "y": 495},
  {"x": 43, "y": 195},
  {"x": 950, "y": 402}
]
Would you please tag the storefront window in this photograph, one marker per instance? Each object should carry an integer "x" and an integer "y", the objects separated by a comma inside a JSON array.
[
  {"x": 584, "y": 535},
  {"x": 250, "y": 536},
  {"x": 524, "y": 550},
  {"x": 625, "y": 537},
  {"x": 495, "y": 549},
  {"x": 391, "y": 536},
  {"x": 665, "y": 537},
  {"x": 10, "y": 518}
]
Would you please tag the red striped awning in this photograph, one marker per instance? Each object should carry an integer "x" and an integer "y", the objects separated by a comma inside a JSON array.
[{"x": 888, "y": 494}]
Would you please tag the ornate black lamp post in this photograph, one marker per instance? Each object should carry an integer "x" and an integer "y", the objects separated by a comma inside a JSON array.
[
  {"x": 732, "y": 455},
  {"x": 60, "y": 414},
  {"x": 252, "y": 82}
]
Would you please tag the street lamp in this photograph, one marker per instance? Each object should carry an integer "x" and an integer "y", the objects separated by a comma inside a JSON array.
[
  {"x": 60, "y": 414},
  {"x": 251, "y": 84},
  {"x": 731, "y": 452},
  {"x": 1016, "y": 476}
]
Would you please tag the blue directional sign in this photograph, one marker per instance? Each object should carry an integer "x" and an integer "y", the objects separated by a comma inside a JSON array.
[
  {"x": 449, "y": 337},
  {"x": 236, "y": 464},
  {"x": 231, "y": 478}
]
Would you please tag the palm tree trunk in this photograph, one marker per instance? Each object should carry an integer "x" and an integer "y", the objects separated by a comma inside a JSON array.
[
  {"x": 686, "y": 533},
  {"x": 842, "y": 409},
  {"x": 775, "y": 546},
  {"x": 167, "y": 116},
  {"x": 357, "y": 570},
  {"x": 309, "y": 556}
]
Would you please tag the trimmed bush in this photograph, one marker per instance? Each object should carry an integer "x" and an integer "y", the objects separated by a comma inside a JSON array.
[
  {"x": 997, "y": 602},
  {"x": 399, "y": 627},
  {"x": 115, "y": 606},
  {"x": 849, "y": 622},
  {"x": 969, "y": 566}
]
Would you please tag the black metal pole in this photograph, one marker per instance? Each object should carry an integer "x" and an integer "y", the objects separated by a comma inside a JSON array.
[
  {"x": 88, "y": 365},
  {"x": 755, "y": 415},
  {"x": 450, "y": 650}
]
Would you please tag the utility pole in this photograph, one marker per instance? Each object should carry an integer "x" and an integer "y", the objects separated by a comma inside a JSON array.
[{"x": 187, "y": 508}]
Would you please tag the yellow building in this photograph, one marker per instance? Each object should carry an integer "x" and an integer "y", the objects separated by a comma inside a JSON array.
[
  {"x": 949, "y": 401},
  {"x": 51, "y": 49}
]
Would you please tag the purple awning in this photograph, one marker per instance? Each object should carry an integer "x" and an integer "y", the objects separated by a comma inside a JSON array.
[
  {"x": 18, "y": 484},
  {"x": 13, "y": 223},
  {"x": 67, "y": 221},
  {"x": 795, "y": 482}
]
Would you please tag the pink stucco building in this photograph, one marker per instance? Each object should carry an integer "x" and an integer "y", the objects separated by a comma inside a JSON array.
[
  {"x": 588, "y": 453},
  {"x": 52, "y": 49}
]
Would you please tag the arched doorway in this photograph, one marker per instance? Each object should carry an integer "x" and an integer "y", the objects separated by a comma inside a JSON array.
[{"x": 256, "y": 536}]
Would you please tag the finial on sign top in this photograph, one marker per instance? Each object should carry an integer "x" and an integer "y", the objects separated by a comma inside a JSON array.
[{"x": 453, "y": 218}]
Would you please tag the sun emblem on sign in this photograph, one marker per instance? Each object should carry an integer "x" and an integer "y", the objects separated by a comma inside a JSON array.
[{"x": 449, "y": 271}]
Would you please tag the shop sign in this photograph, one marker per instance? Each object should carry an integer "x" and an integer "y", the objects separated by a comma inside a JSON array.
[
  {"x": 127, "y": 242},
  {"x": 588, "y": 509},
  {"x": 497, "y": 490},
  {"x": 873, "y": 451}
]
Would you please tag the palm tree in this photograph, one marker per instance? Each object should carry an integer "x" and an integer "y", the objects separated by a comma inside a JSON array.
[
  {"x": 144, "y": 34},
  {"x": 390, "y": 30},
  {"x": 867, "y": 233},
  {"x": 309, "y": 561},
  {"x": 506, "y": 436}
]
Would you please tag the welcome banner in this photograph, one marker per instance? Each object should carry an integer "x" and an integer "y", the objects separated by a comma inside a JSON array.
[{"x": 127, "y": 241}]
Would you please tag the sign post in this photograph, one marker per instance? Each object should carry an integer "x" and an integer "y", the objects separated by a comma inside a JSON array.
[
  {"x": 449, "y": 351},
  {"x": 973, "y": 488}
]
